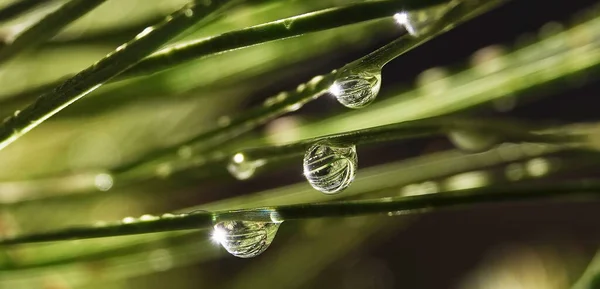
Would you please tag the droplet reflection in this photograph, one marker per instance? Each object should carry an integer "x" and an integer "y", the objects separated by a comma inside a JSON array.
[
  {"x": 245, "y": 239},
  {"x": 243, "y": 168},
  {"x": 330, "y": 168},
  {"x": 357, "y": 90}
]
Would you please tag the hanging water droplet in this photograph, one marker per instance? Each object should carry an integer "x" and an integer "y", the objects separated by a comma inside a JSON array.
[
  {"x": 473, "y": 141},
  {"x": 357, "y": 90},
  {"x": 330, "y": 168},
  {"x": 243, "y": 168},
  {"x": 245, "y": 239},
  {"x": 103, "y": 182},
  {"x": 418, "y": 22}
]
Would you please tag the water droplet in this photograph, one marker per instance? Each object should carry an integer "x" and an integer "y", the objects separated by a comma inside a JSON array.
[
  {"x": 418, "y": 22},
  {"x": 243, "y": 168},
  {"x": 16, "y": 113},
  {"x": 330, "y": 168},
  {"x": 538, "y": 167},
  {"x": 301, "y": 88},
  {"x": 473, "y": 141},
  {"x": 288, "y": 23},
  {"x": 121, "y": 47},
  {"x": 144, "y": 32},
  {"x": 468, "y": 180},
  {"x": 357, "y": 90},
  {"x": 103, "y": 182},
  {"x": 424, "y": 188},
  {"x": 245, "y": 239},
  {"x": 146, "y": 218},
  {"x": 128, "y": 220},
  {"x": 189, "y": 12}
]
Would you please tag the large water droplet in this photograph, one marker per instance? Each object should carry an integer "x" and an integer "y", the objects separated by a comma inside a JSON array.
[
  {"x": 243, "y": 168},
  {"x": 245, "y": 239},
  {"x": 357, "y": 90},
  {"x": 330, "y": 168}
]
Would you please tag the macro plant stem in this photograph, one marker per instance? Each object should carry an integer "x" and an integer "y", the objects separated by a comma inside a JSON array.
[
  {"x": 398, "y": 205},
  {"x": 458, "y": 12},
  {"x": 293, "y": 100},
  {"x": 506, "y": 130},
  {"x": 46, "y": 27},
  {"x": 113, "y": 64},
  {"x": 19, "y": 7},
  {"x": 326, "y": 19},
  {"x": 272, "y": 108}
]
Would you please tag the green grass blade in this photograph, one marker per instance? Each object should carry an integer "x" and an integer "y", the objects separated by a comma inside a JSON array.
[
  {"x": 173, "y": 55},
  {"x": 94, "y": 76},
  {"x": 405, "y": 205},
  {"x": 47, "y": 27},
  {"x": 293, "y": 100},
  {"x": 18, "y": 8},
  {"x": 507, "y": 131}
]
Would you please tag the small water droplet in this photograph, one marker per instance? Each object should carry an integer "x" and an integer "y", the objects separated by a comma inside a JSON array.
[
  {"x": 288, "y": 23},
  {"x": 473, "y": 141},
  {"x": 418, "y": 22},
  {"x": 146, "y": 218},
  {"x": 189, "y": 12},
  {"x": 357, "y": 90},
  {"x": 301, "y": 88},
  {"x": 103, "y": 182},
  {"x": 538, "y": 167},
  {"x": 243, "y": 168},
  {"x": 294, "y": 107},
  {"x": 121, "y": 47},
  {"x": 468, "y": 180},
  {"x": 245, "y": 239},
  {"x": 167, "y": 216},
  {"x": 128, "y": 220},
  {"x": 330, "y": 168},
  {"x": 16, "y": 113},
  {"x": 144, "y": 32}
]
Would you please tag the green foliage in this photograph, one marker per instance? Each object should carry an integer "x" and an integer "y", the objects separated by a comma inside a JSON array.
[{"x": 145, "y": 139}]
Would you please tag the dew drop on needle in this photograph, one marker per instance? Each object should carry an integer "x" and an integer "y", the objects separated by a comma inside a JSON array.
[
  {"x": 330, "y": 168},
  {"x": 419, "y": 22},
  {"x": 473, "y": 140},
  {"x": 242, "y": 167},
  {"x": 245, "y": 239},
  {"x": 357, "y": 90}
]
